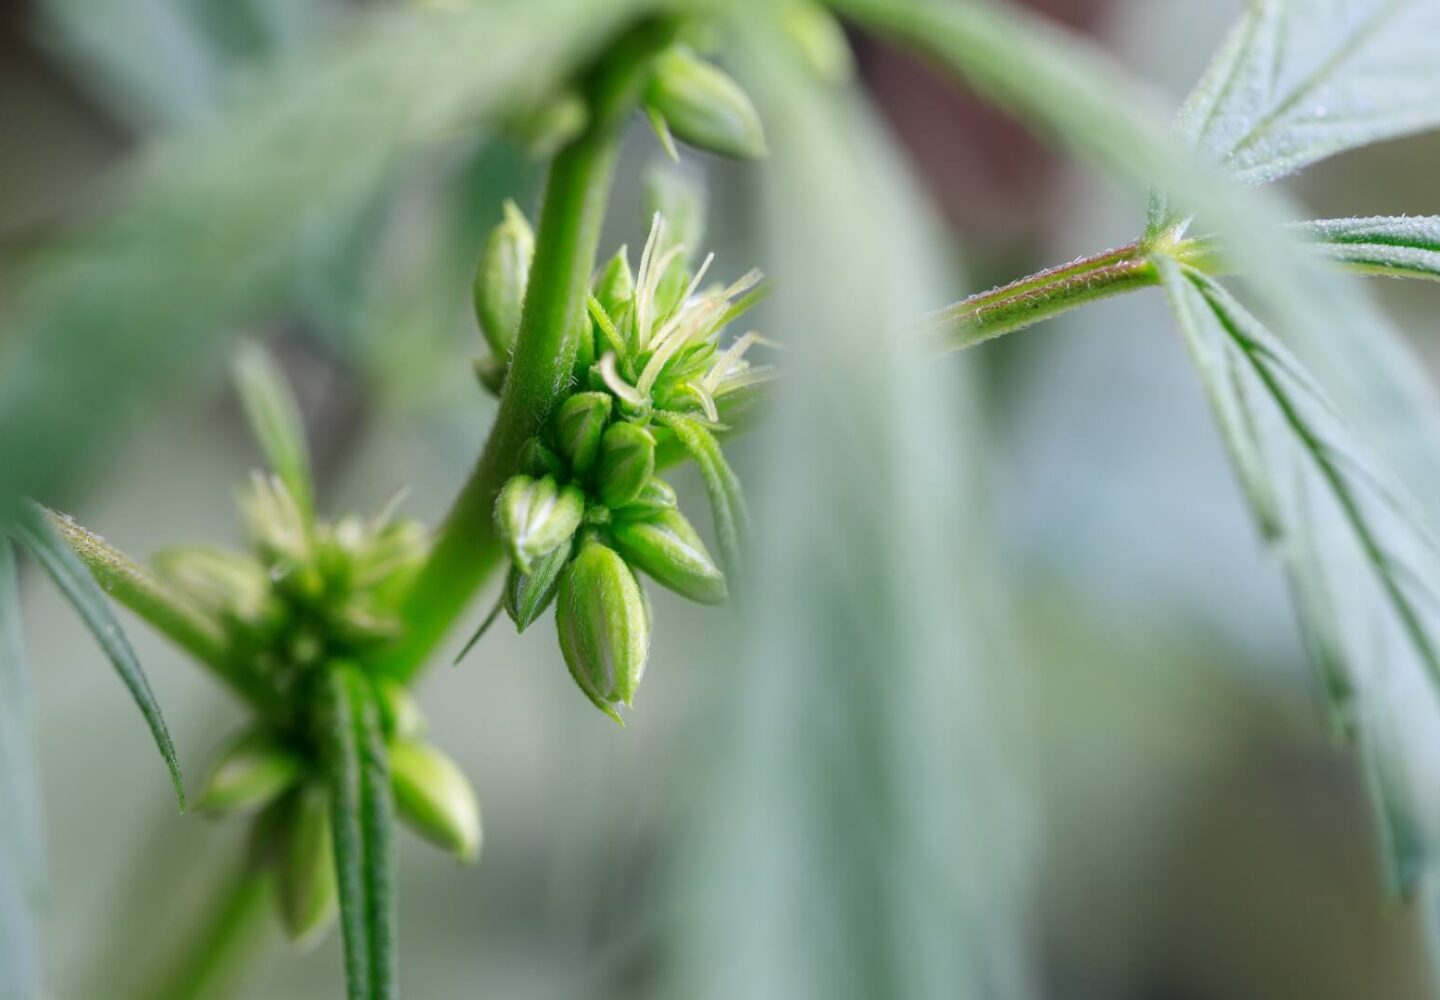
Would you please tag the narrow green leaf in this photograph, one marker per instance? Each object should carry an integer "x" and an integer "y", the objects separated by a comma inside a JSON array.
[
  {"x": 1300, "y": 80},
  {"x": 276, "y": 422},
  {"x": 1394, "y": 247},
  {"x": 22, "y": 854},
  {"x": 362, "y": 820},
  {"x": 727, "y": 500},
  {"x": 1365, "y": 574},
  {"x": 33, "y": 530}
]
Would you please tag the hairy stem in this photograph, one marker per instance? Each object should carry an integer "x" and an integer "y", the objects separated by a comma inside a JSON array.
[
  {"x": 212, "y": 961},
  {"x": 1044, "y": 295},
  {"x": 167, "y": 610},
  {"x": 466, "y": 550}
]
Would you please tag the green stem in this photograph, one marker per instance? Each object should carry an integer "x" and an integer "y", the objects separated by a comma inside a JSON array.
[
  {"x": 212, "y": 961},
  {"x": 1044, "y": 295},
  {"x": 167, "y": 610},
  {"x": 466, "y": 550}
]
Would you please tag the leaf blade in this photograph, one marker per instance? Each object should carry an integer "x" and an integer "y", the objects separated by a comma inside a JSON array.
[
  {"x": 1364, "y": 571},
  {"x": 1386, "y": 246},
  {"x": 275, "y": 421},
  {"x": 22, "y": 855},
  {"x": 1302, "y": 80},
  {"x": 32, "y": 529},
  {"x": 727, "y": 499}
]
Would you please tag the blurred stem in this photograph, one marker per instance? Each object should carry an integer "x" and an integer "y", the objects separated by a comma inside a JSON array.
[
  {"x": 167, "y": 610},
  {"x": 466, "y": 550},
  {"x": 209, "y": 964}
]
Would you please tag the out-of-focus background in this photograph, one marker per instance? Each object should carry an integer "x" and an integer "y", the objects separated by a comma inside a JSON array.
[{"x": 1147, "y": 805}]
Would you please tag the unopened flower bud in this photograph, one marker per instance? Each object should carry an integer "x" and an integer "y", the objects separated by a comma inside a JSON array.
[
  {"x": 704, "y": 107},
  {"x": 655, "y": 495},
  {"x": 250, "y": 773},
  {"x": 305, "y": 868},
  {"x": 490, "y": 372},
  {"x": 500, "y": 280},
  {"x": 627, "y": 461},
  {"x": 433, "y": 797},
  {"x": 535, "y": 516},
  {"x": 527, "y": 595},
  {"x": 537, "y": 460},
  {"x": 667, "y": 548},
  {"x": 398, "y": 711},
  {"x": 604, "y": 627},
  {"x": 615, "y": 285},
  {"x": 579, "y": 423},
  {"x": 820, "y": 38}
]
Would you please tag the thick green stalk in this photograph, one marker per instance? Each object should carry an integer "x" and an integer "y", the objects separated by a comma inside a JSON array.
[
  {"x": 466, "y": 550},
  {"x": 167, "y": 610},
  {"x": 213, "y": 959}
]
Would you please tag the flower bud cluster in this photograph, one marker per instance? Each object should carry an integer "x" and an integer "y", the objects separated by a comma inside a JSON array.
[
  {"x": 586, "y": 515},
  {"x": 308, "y": 598}
]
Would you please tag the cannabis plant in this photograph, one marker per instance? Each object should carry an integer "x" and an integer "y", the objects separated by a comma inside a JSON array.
[{"x": 610, "y": 372}]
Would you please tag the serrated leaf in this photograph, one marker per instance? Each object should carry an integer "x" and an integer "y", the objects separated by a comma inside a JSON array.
[
  {"x": 1390, "y": 246},
  {"x": 1300, "y": 80},
  {"x": 276, "y": 423},
  {"x": 362, "y": 820},
  {"x": 1364, "y": 572},
  {"x": 32, "y": 529},
  {"x": 22, "y": 854},
  {"x": 727, "y": 500}
]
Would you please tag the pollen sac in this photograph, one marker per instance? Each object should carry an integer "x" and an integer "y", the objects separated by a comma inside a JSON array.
[
  {"x": 655, "y": 495},
  {"x": 527, "y": 595},
  {"x": 535, "y": 516},
  {"x": 627, "y": 461},
  {"x": 604, "y": 627},
  {"x": 433, "y": 797},
  {"x": 704, "y": 107},
  {"x": 250, "y": 773},
  {"x": 579, "y": 424},
  {"x": 305, "y": 866},
  {"x": 667, "y": 548},
  {"x": 500, "y": 280}
]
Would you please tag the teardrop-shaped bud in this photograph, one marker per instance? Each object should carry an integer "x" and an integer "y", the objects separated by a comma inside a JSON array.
[
  {"x": 578, "y": 425},
  {"x": 500, "y": 280},
  {"x": 655, "y": 495},
  {"x": 604, "y": 627},
  {"x": 251, "y": 772},
  {"x": 535, "y": 516},
  {"x": 552, "y": 125},
  {"x": 668, "y": 549},
  {"x": 537, "y": 460},
  {"x": 305, "y": 866},
  {"x": 615, "y": 285},
  {"x": 490, "y": 372},
  {"x": 704, "y": 107},
  {"x": 399, "y": 713},
  {"x": 627, "y": 461},
  {"x": 433, "y": 797},
  {"x": 821, "y": 40},
  {"x": 527, "y": 595}
]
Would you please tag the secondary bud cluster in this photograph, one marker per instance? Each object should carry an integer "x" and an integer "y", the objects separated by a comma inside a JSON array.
[
  {"x": 309, "y": 598},
  {"x": 586, "y": 514}
]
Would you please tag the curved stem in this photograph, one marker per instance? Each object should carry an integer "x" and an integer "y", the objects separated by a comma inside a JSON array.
[
  {"x": 466, "y": 550},
  {"x": 212, "y": 960}
]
